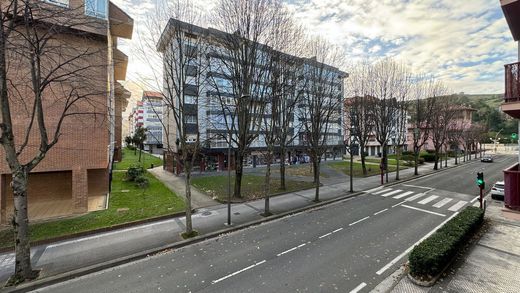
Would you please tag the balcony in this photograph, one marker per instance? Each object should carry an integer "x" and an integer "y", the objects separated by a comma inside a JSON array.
[{"x": 511, "y": 104}]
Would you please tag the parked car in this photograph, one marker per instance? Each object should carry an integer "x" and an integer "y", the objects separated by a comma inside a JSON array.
[
  {"x": 487, "y": 159},
  {"x": 497, "y": 191}
]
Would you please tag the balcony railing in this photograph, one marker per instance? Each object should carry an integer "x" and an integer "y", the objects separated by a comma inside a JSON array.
[{"x": 512, "y": 93}]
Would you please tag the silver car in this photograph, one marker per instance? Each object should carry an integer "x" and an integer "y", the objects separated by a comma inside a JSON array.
[{"x": 497, "y": 191}]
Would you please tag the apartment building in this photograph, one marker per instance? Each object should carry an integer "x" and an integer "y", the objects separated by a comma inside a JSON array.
[
  {"x": 148, "y": 114},
  {"x": 209, "y": 85},
  {"x": 74, "y": 175}
]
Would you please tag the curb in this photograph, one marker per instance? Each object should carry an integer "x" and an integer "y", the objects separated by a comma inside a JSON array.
[{"x": 47, "y": 281}]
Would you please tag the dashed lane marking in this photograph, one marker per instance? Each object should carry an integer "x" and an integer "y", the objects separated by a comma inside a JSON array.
[
  {"x": 381, "y": 211},
  {"x": 238, "y": 272},
  {"x": 358, "y": 288},
  {"x": 292, "y": 249},
  {"x": 358, "y": 221}
]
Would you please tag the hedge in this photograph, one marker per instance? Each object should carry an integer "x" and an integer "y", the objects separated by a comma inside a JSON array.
[
  {"x": 428, "y": 157},
  {"x": 431, "y": 256}
]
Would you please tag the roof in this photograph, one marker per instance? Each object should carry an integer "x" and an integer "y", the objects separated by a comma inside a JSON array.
[
  {"x": 511, "y": 9},
  {"x": 152, "y": 94}
]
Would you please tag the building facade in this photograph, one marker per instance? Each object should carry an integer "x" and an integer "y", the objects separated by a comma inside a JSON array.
[
  {"x": 148, "y": 114},
  {"x": 208, "y": 86},
  {"x": 511, "y": 105},
  {"x": 74, "y": 175}
]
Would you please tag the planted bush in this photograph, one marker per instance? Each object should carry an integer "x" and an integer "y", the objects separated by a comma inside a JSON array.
[
  {"x": 134, "y": 172},
  {"x": 428, "y": 157},
  {"x": 431, "y": 256}
]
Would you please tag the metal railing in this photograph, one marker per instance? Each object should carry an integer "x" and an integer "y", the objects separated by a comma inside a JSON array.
[{"x": 512, "y": 93}]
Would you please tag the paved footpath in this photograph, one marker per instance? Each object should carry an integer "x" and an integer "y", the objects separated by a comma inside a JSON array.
[
  {"x": 491, "y": 265},
  {"x": 68, "y": 255}
]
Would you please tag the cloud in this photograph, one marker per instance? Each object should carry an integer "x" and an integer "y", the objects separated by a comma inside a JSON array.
[{"x": 465, "y": 43}]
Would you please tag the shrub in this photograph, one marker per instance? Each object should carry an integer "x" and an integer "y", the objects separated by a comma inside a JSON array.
[
  {"x": 428, "y": 157},
  {"x": 407, "y": 153},
  {"x": 134, "y": 172},
  {"x": 142, "y": 182},
  {"x": 431, "y": 256},
  {"x": 409, "y": 160},
  {"x": 130, "y": 147}
]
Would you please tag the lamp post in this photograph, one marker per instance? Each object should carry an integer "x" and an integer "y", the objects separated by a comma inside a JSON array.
[{"x": 229, "y": 180}]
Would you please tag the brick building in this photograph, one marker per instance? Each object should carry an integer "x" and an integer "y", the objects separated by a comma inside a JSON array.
[{"x": 74, "y": 175}]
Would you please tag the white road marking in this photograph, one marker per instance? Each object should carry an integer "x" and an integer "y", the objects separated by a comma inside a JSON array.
[
  {"x": 373, "y": 189},
  {"x": 428, "y": 199},
  {"x": 475, "y": 199},
  {"x": 422, "y": 187},
  {"x": 358, "y": 288},
  {"x": 381, "y": 211},
  {"x": 426, "y": 211},
  {"x": 457, "y": 206},
  {"x": 398, "y": 204},
  {"x": 289, "y": 250},
  {"x": 361, "y": 220},
  {"x": 403, "y": 194},
  {"x": 442, "y": 202},
  {"x": 337, "y": 230},
  {"x": 391, "y": 193},
  {"x": 415, "y": 197},
  {"x": 382, "y": 191},
  {"x": 237, "y": 272},
  {"x": 325, "y": 235},
  {"x": 395, "y": 260}
]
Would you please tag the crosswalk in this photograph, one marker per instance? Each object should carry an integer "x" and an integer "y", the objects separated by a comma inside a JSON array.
[{"x": 428, "y": 198}]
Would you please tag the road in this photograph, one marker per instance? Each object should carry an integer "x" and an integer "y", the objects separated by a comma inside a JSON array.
[{"x": 349, "y": 246}]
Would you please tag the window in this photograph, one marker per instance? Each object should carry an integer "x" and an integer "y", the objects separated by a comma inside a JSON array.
[
  {"x": 192, "y": 100},
  {"x": 64, "y": 3},
  {"x": 191, "y": 119},
  {"x": 96, "y": 8}
]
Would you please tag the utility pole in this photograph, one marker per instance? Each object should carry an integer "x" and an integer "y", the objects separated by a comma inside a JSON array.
[{"x": 229, "y": 180}]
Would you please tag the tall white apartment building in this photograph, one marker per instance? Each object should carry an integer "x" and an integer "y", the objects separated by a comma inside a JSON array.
[{"x": 208, "y": 84}]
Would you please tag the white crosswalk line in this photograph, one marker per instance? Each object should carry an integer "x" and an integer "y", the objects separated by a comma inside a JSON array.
[
  {"x": 391, "y": 193},
  {"x": 418, "y": 195},
  {"x": 403, "y": 194},
  {"x": 457, "y": 206},
  {"x": 382, "y": 191},
  {"x": 441, "y": 203},
  {"x": 428, "y": 199}
]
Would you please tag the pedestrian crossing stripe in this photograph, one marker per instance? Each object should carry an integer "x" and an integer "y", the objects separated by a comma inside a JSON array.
[{"x": 399, "y": 194}]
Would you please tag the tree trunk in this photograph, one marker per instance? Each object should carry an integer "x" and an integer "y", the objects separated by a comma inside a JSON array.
[
  {"x": 363, "y": 164},
  {"x": 239, "y": 170},
  {"x": 385, "y": 159},
  {"x": 267, "y": 186},
  {"x": 282, "y": 170},
  {"x": 435, "y": 166},
  {"x": 23, "y": 268},
  {"x": 316, "y": 167},
  {"x": 416, "y": 161},
  {"x": 140, "y": 150},
  {"x": 187, "y": 174}
]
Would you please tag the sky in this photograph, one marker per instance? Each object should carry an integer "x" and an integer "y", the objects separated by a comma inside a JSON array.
[{"x": 464, "y": 43}]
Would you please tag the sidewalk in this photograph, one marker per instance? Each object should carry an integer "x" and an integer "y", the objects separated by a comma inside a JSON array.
[
  {"x": 491, "y": 265},
  {"x": 68, "y": 255}
]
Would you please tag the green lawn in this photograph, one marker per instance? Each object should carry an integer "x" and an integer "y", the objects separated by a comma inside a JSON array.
[
  {"x": 301, "y": 170},
  {"x": 156, "y": 200},
  {"x": 390, "y": 161},
  {"x": 130, "y": 159},
  {"x": 252, "y": 186},
  {"x": 372, "y": 169}
]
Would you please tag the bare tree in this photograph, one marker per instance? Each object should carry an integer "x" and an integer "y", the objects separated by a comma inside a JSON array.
[
  {"x": 179, "y": 66},
  {"x": 321, "y": 105},
  {"x": 239, "y": 64},
  {"x": 45, "y": 78},
  {"x": 359, "y": 120},
  {"x": 421, "y": 114},
  {"x": 389, "y": 84},
  {"x": 443, "y": 115}
]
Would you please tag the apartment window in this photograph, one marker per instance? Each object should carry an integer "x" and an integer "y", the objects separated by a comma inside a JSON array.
[
  {"x": 191, "y": 119},
  {"x": 96, "y": 8},
  {"x": 190, "y": 99},
  {"x": 64, "y": 3}
]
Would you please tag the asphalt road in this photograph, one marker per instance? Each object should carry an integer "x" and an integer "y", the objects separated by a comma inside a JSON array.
[{"x": 350, "y": 246}]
